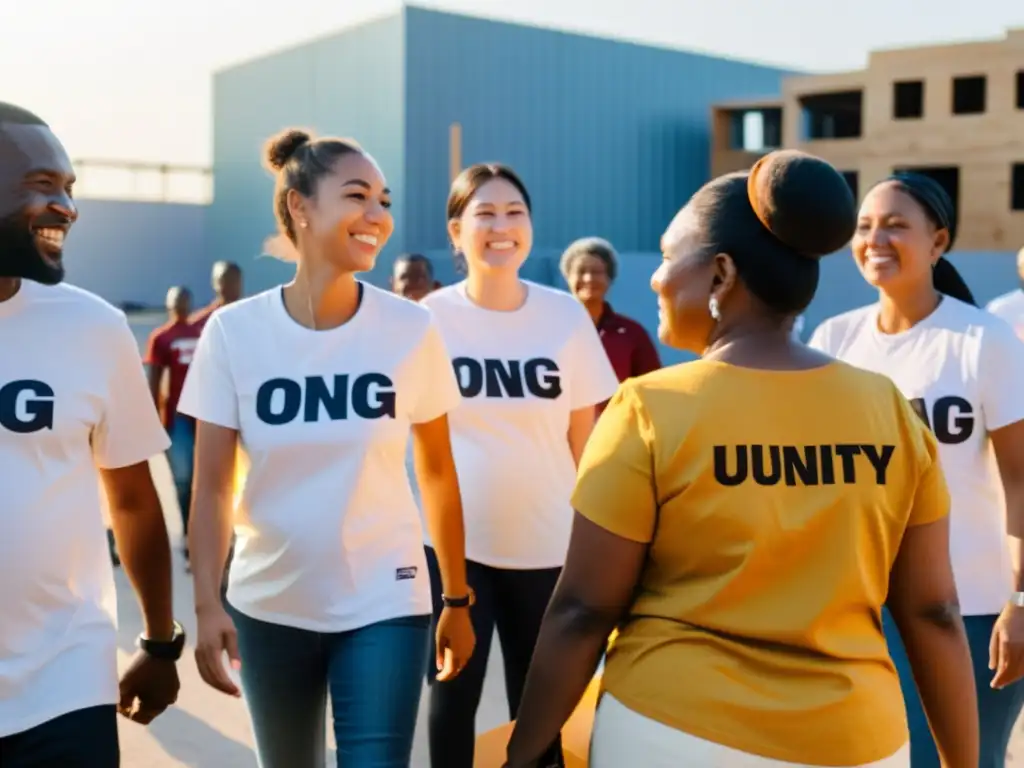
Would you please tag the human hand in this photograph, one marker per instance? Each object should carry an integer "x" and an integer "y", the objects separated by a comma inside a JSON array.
[
  {"x": 147, "y": 688},
  {"x": 216, "y": 636},
  {"x": 455, "y": 642},
  {"x": 1006, "y": 648}
]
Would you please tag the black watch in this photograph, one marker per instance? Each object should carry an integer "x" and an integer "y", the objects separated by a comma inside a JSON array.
[
  {"x": 168, "y": 650},
  {"x": 459, "y": 602}
]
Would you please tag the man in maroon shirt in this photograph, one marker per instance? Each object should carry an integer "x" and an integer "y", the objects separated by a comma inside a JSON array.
[
  {"x": 589, "y": 267},
  {"x": 227, "y": 287},
  {"x": 168, "y": 356}
]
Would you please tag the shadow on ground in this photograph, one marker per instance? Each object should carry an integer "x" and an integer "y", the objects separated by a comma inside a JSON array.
[{"x": 192, "y": 742}]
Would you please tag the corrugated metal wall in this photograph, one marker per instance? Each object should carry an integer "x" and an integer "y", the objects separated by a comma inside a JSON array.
[
  {"x": 610, "y": 137},
  {"x": 131, "y": 252},
  {"x": 349, "y": 84}
]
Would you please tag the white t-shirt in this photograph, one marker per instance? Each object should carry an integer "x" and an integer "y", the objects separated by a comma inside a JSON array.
[
  {"x": 73, "y": 397},
  {"x": 963, "y": 370},
  {"x": 329, "y": 537},
  {"x": 521, "y": 374},
  {"x": 1010, "y": 307}
]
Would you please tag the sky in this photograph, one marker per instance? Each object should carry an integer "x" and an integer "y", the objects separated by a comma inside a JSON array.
[{"x": 130, "y": 80}]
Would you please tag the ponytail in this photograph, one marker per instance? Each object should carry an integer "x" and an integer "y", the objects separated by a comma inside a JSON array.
[{"x": 947, "y": 280}]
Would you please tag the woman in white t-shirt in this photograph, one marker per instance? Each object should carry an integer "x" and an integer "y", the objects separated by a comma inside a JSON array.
[
  {"x": 531, "y": 368},
  {"x": 963, "y": 371},
  {"x": 322, "y": 381}
]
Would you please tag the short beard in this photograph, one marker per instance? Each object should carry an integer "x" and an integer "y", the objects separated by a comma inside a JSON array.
[{"x": 19, "y": 254}]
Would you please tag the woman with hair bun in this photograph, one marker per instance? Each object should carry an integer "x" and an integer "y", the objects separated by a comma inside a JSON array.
[
  {"x": 963, "y": 371},
  {"x": 323, "y": 380},
  {"x": 741, "y": 518}
]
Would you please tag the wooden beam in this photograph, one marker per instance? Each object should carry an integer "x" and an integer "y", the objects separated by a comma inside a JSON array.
[{"x": 454, "y": 151}]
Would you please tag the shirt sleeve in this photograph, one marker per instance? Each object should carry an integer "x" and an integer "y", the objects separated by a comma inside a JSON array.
[
  {"x": 437, "y": 391},
  {"x": 821, "y": 339},
  {"x": 129, "y": 431},
  {"x": 1001, "y": 375},
  {"x": 209, "y": 393},
  {"x": 615, "y": 486},
  {"x": 156, "y": 352},
  {"x": 592, "y": 379},
  {"x": 645, "y": 354},
  {"x": 931, "y": 497}
]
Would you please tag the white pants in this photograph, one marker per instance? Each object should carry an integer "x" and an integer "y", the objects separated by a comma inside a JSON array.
[{"x": 624, "y": 739}]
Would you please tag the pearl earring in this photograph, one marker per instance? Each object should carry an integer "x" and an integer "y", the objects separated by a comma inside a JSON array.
[{"x": 716, "y": 313}]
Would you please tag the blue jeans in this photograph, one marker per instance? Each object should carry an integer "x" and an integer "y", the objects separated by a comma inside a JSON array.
[
  {"x": 374, "y": 676},
  {"x": 181, "y": 457},
  {"x": 997, "y": 710}
]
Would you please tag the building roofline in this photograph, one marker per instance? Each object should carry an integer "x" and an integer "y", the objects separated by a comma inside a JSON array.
[
  {"x": 397, "y": 9},
  {"x": 400, "y": 8}
]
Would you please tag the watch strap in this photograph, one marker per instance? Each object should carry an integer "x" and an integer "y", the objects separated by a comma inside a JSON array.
[
  {"x": 1017, "y": 599},
  {"x": 459, "y": 602},
  {"x": 168, "y": 650}
]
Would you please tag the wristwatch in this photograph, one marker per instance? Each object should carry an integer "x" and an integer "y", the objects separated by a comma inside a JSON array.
[
  {"x": 459, "y": 602},
  {"x": 1017, "y": 599},
  {"x": 168, "y": 650}
]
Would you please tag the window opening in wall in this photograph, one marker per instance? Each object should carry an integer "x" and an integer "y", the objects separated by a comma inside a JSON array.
[
  {"x": 1020, "y": 89},
  {"x": 969, "y": 95},
  {"x": 1017, "y": 187},
  {"x": 852, "y": 181},
  {"x": 755, "y": 130},
  {"x": 908, "y": 99},
  {"x": 833, "y": 115}
]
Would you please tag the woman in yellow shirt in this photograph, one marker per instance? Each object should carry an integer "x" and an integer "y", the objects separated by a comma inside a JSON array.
[{"x": 741, "y": 520}]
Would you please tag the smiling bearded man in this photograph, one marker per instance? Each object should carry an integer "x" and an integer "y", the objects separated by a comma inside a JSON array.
[{"x": 75, "y": 412}]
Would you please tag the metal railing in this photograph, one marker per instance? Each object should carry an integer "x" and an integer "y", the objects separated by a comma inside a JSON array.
[{"x": 143, "y": 181}]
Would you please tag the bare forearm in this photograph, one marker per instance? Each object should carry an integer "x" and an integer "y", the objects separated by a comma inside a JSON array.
[
  {"x": 569, "y": 648},
  {"x": 442, "y": 505},
  {"x": 156, "y": 377},
  {"x": 1015, "y": 533},
  {"x": 145, "y": 551},
  {"x": 209, "y": 541},
  {"x": 940, "y": 658}
]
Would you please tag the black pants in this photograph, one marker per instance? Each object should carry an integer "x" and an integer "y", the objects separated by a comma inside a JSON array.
[
  {"x": 86, "y": 738},
  {"x": 513, "y": 602}
]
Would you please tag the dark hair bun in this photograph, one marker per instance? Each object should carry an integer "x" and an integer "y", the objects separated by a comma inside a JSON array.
[
  {"x": 280, "y": 148},
  {"x": 803, "y": 201}
]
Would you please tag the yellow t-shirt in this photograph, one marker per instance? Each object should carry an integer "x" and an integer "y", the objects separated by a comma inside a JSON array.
[{"x": 774, "y": 503}]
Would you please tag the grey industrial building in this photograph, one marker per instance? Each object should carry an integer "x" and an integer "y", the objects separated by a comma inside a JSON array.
[{"x": 611, "y": 137}]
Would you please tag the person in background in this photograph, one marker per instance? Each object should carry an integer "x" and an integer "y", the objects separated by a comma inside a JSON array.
[
  {"x": 227, "y": 288},
  {"x": 412, "y": 276},
  {"x": 590, "y": 266},
  {"x": 324, "y": 381},
  {"x": 963, "y": 371},
  {"x": 1010, "y": 306},
  {"x": 531, "y": 369},
  {"x": 75, "y": 418},
  {"x": 168, "y": 354},
  {"x": 741, "y": 519}
]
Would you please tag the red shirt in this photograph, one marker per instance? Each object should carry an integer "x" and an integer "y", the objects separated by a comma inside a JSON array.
[
  {"x": 628, "y": 346},
  {"x": 171, "y": 346},
  {"x": 199, "y": 318}
]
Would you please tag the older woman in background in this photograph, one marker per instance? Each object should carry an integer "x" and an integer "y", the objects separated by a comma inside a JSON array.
[{"x": 589, "y": 266}]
